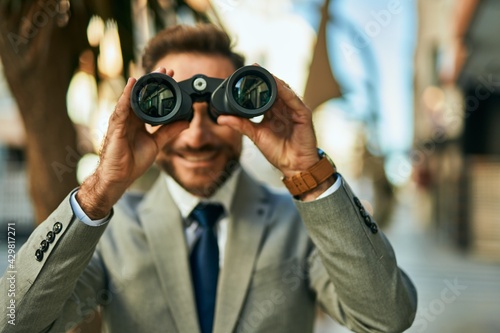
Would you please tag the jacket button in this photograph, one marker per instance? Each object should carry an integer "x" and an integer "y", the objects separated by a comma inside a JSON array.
[
  {"x": 374, "y": 228},
  {"x": 357, "y": 202},
  {"x": 368, "y": 220},
  {"x": 39, "y": 255},
  {"x": 50, "y": 237},
  {"x": 44, "y": 245},
  {"x": 363, "y": 212},
  {"x": 57, "y": 227}
]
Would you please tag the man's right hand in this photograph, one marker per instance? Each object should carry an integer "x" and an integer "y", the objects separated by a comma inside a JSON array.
[{"x": 127, "y": 153}]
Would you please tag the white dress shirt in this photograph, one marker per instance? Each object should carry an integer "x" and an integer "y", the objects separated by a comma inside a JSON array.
[{"x": 186, "y": 202}]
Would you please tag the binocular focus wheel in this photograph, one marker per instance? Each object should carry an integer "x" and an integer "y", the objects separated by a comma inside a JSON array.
[{"x": 200, "y": 84}]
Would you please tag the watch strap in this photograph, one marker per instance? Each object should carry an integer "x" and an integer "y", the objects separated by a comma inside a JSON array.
[{"x": 307, "y": 180}]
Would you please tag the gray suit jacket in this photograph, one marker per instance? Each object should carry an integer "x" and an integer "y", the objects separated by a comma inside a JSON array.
[{"x": 281, "y": 258}]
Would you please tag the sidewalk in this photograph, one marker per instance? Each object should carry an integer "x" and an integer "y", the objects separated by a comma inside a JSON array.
[{"x": 457, "y": 293}]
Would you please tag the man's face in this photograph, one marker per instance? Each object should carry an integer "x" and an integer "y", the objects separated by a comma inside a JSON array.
[{"x": 201, "y": 157}]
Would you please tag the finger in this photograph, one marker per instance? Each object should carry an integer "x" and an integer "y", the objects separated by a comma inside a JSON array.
[
  {"x": 162, "y": 70},
  {"x": 279, "y": 120},
  {"x": 167, "y": 132},
  {"x": 288, "y": 96},
  {"x": 242, "y": 125},
  {"x": 122, "y": 108}
]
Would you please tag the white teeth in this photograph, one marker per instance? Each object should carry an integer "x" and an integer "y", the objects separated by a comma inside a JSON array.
[{"x": 199, "y": 157}]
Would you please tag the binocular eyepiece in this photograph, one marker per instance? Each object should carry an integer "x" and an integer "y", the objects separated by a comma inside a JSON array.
[{"x": 158, "y": 99}]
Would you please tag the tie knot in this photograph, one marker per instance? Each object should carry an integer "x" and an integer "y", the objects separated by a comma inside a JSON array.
[{"x": 207, "y": 214}]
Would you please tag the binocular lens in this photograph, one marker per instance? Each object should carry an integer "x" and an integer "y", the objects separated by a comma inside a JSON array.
[
  {"x": 156, "y": 99},
  {"x": 251, "y": 92}
]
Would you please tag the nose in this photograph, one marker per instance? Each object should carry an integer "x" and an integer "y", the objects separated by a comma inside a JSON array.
[{"x": 200, "y": 131}]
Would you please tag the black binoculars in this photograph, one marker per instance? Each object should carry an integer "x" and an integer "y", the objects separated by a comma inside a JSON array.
[{"x": 158, "y": 99}]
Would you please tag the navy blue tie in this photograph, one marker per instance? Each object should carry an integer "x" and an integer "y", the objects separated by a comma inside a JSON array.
[{"x": 204, "y": 261}]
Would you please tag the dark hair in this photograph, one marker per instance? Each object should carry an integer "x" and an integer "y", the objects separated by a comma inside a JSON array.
[{"x": 202, "y": 38}]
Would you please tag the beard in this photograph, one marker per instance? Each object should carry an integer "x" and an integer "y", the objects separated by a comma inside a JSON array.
[{"x": 203, "y": 181}]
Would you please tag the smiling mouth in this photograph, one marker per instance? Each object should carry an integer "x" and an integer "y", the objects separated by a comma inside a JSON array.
[{"x": 196, "y": 157}]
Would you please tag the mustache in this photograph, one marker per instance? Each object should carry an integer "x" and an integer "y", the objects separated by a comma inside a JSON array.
[{"x": 189, "y": 149}]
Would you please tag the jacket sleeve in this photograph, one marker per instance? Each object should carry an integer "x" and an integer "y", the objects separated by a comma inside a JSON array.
[
  {"x": 57, "y": 283},
  {"x": 353, "y": 269}
]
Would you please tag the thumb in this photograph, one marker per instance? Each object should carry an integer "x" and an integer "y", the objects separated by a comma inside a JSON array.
[
  {"x": 167, "y": 132},
  {"x": 242, "y": 125}
]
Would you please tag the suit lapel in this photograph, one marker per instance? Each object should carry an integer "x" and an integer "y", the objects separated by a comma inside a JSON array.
[
  {"x": 245, "y": 231},
  {"x": 163, "y": 227}
]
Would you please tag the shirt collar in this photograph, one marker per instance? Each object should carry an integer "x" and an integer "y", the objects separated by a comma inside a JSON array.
[{"x": 186, "y": 201}]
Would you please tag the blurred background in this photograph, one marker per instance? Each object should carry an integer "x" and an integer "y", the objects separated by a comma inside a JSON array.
[{"x": 406, "y": 100}]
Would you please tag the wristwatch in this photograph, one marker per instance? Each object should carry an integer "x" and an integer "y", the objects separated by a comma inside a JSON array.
[{"x": 305, "y": 181}]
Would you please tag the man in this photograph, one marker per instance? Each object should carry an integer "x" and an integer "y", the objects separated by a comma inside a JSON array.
[{"x": 277, "y": 257}]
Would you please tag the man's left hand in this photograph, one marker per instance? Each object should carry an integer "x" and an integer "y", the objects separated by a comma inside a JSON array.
[{"x": 285, "y": 136}]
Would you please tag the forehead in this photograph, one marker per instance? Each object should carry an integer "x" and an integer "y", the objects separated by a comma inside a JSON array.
[{"x": 185, "y": 65}]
